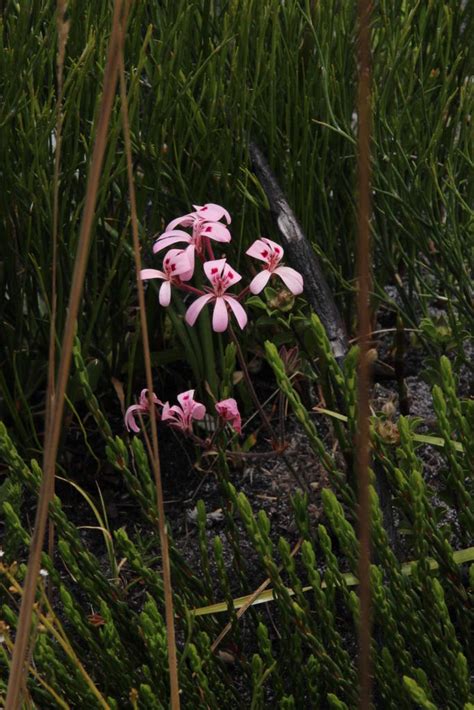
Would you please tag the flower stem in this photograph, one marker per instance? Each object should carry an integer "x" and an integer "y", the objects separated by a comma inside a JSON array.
[
  {"x": 274, "y": 438},
  {"x": 207, "y": 345},
  {"x": 210, "y": 250},
  {"x": 186, "y": 287},
  {"x": 243, "y": 293}
]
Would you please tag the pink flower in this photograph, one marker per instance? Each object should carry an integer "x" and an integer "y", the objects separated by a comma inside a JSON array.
[
  {"x": 182, "y": 416},
  {"x": 204, "y": 222},
  {"x": 209, "y": 212},
  {"x": 175, "y": 264},
  {"x": 272, "y": 253},
  {"x": 228, "y": 411},
  {"x": 221, "y": 277},
  {"x": 143, "y": 406}
]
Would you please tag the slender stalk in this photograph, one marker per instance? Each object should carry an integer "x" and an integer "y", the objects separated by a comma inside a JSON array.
[
  {"x": 59, "y": 701},
  {"x": 301, "y": 481},
  {"x": 52, "y": 623},
  {"x": 250, "y": 600},
  {"x": 155, "y": 458},
  {"x": 364, "y": 335},
  {"x": 186, "y": 287},
  {"x": 63, "y": 31},
  {"x": 206, "y": 338},
  {"x": 18, "y": 668}
]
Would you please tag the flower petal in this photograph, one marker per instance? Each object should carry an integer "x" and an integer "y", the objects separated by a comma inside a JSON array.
[
  {"x": 212, "y": 212},
  {"x": 238, "y": 311},
  {"x": 176, "y": 261},
  {"x": 216, "y": 231},
  {"x": 169, "y": 238},
  {"x": 196, "y": 307},
  {"x": 188, "y": 411},
  {"x": 220, "y": 317},
  {"x": 190, "y": 254},
  {"x": 258, "y": 249},
  {"x": 230, "y": 276},
  {"x": 198, "y": 411},
  {"x": 152, "y": 274},
  {"x": 168, "y": 412},
  {"x": 259, "y": 281},
  {"x": 165, "y": 294},
  {"x": 214, "y": 268},
  {"x": 186, "y": 399},
  {"x": 130, "y": 422},
  {"x": 228, "y": 410},
  {"x": 187, "y": 220},
  {"x": 276, "y": 248},
  {"x": 291, "y": 278},
  {"x": 144, "y": 402}
]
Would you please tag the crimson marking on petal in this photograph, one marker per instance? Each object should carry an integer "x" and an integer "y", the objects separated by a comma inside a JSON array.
[
  {"x": 265, "y": 254},
  {"x": 214, "y": 270},
  {"x": 230, "y": 275}
]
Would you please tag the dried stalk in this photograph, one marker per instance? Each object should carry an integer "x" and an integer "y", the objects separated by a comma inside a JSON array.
[
  {"x": 250, "y": 600},
  {"x": 155, "y": 458},
  {"x": 364, "y": 335},
  {"x": 18, "y": 667},
  {"x": 51, "y": 622},
  {"x": 63, "y": 26}
]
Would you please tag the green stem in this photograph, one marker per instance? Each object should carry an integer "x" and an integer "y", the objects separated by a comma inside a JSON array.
[
  {"x": 207, "y": 346},
  {"x": 301, "y": 481}
]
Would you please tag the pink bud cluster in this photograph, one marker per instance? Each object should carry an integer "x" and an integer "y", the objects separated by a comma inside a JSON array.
[
  {"x": 208, "y": 224},
  {"x": 181, "y": 416}
]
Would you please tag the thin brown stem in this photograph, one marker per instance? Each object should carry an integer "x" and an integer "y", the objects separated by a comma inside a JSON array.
[
  {"x": 364, "y": 336},
  {"x": 186, "y": 287},
  {"x": 155, "y": 459},
  {"x": 243, "y": 293},
  {"x": 273, "y": 435},
  {"x": 63, "y": 31},
  {"x": 53, "y": 625},
  {"x": 250, "y": 600},
  {"x": 18, "y": 667}
]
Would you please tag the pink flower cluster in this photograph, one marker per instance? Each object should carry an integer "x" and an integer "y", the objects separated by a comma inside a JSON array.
[
  {"x": 182, "y": 415},
  {"x": 206, "y": 226}
]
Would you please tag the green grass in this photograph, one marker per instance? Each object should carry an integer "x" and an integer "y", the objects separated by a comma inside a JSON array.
[{"x": 204, "y": 77}]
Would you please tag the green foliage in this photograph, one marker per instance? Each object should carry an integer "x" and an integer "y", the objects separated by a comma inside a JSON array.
[
  {"x": 422, "y": 621},
  {"x": 417, "y": 693},
  {"x": 420, "y": 654},
  {"x": 201, "y": 79}
]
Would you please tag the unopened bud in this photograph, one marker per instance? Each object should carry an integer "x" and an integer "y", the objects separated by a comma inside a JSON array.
[{"x": 389, "y": 409}]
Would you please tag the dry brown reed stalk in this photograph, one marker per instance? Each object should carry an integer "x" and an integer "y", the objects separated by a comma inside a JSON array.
[
  {"x": 250, "y": 600},
  {"x": 51, "y": 623},
  {"x": 18, "y": 667},
  {"x": 63, "y": 26},
  {"x": 154, "y": 452},
  {"x": 59, "y": 701},
  {"x": 364, "y": 335}
]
